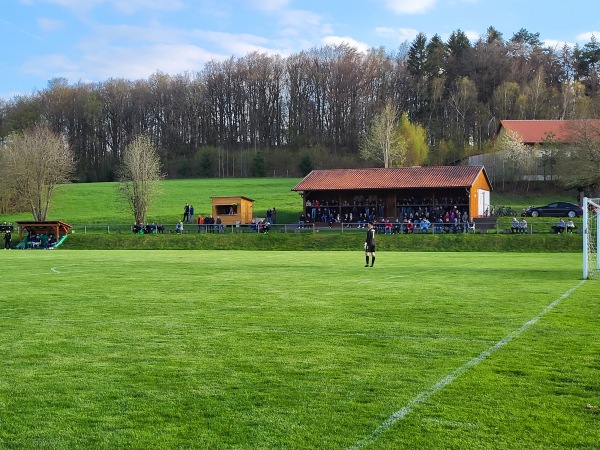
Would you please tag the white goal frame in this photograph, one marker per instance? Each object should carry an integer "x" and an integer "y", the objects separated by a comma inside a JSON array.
[{"x": 591, "y": 238}]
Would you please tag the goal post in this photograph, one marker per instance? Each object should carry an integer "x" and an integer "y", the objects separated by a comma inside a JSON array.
[{"x": 591, "y": 238}]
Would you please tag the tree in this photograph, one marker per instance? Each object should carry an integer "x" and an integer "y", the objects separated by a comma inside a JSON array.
[
  {"x": 516, "y": 154},
  {"x": 259, "y": 167},
  {"x": 138, "y": 176},
  {"x": 306, "y": 165},
  {"x": 415, "y": 137},
  {"x": 34, "y": 162},
  {"x": 578, "y": 164},
  {"x": 383, "y": 142}
]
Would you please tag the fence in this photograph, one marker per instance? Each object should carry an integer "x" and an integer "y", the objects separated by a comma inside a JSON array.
[{"x": 537, "y": 227}]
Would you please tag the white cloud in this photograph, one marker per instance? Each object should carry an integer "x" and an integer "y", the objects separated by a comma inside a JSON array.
[
  {"x": 49, "y": 66},
  {"x": 49, "y": 24},
  {"x": 124, "y": 6},
  {"x": 300, "y": 19},
  {"x": 234, "y": 44},
  {"x": 553, "y": 43},
  {"x": 338, "y": 40},
  {"x": 410, "y": 6},
  {"x": 132, "y": 6},
  {"x": 472, "y": 35},
  {"x": 142, "y": 62},
  {"x": 587, "y": 36},
  {"x": 269, "y": 5},
  {"x": 399, "y": 34}
]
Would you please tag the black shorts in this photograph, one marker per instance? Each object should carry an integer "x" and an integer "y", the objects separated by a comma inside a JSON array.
[{"x": 370, "y": 249}]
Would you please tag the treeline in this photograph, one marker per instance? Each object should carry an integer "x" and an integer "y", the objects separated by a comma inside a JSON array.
[{"x": 264, "y": 114}]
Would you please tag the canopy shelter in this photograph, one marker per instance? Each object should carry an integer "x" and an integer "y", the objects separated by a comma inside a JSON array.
[{"x": 57, "y": 228}]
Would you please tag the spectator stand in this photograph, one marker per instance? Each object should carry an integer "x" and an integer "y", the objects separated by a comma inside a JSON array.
[{"x": 35, "y": 234}]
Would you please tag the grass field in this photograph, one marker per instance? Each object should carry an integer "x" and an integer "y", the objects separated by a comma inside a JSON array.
[
  {"x": 297, "y": 350},
  {"x": 97, "y": 203}
]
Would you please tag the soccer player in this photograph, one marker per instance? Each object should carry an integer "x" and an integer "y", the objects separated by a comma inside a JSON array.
[{"x": 370, "y": 245}]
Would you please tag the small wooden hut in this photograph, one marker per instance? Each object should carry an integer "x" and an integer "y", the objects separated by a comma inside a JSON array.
[
  {"x": 57, "y": 228},
  {"x": 232, "y": 210}
]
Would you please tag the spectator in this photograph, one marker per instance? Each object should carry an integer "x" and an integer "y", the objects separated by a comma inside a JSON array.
[
  {"x": 186, "y": 212},
  {"x": 179, "y": 227},
  {"x": 523, "y": 225},
  {"x": 191, "y": 217},
  {"x": 389, "y": 227},
  {"x": 300, "y": 221},
  {"x": 219, "y": 223},
  {"x": 7, "y": 239},
  {"x": 514, "y": 225},
  {"x": 570, "y": 226},
  {"x": 274, "y": 216},
  {"x": 210, "y": 221},
  {"x": 200, "y": 222},
  {"x": 50, "y": 242},
  {"x": 560, "y": 226},
  {"x": 425, "y": 224}
]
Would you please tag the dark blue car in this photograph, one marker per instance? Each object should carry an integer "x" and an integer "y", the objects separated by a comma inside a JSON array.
[{"x": 554, "y": 209}]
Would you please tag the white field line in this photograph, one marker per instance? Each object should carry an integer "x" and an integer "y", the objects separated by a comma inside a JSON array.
[
  {"x": 451, "y": 423},
  {"x": 422, "y": 397}
]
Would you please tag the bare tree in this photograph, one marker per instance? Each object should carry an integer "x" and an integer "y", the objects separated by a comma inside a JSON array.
[
  {"x": 383, "y": 142},
  {"x": 139, "y": 174},
  {"x": 34, "y": 162}
]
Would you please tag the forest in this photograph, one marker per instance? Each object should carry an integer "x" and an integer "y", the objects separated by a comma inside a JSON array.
[{"x": 269, "y": 115}]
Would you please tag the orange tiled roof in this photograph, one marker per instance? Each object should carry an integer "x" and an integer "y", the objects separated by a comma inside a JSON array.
[
  {"x": 399, "y": 178},
  {"x": 537, "y": 131}
]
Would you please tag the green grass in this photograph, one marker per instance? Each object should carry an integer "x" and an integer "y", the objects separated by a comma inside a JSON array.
[
  {"x": 328, "y": 240},
  {"x": 97, "y": 203},
  {"x": 297, "y": 350}
]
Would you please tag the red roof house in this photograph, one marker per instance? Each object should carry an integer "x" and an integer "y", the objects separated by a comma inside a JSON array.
[
  {"x": 539, "y": 131},
  {"x": 399, "y": 191}
]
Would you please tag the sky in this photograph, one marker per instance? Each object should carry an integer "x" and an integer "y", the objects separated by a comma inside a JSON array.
[{"x": 96, "y": 40}]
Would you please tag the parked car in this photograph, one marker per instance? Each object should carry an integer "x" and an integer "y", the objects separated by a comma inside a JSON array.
[{"x": 555, "y": 209}]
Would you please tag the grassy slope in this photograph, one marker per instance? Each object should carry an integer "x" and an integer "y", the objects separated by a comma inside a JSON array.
[
  {"x": 97, "y": 202},
  {"x": 329, "y": 241},
  {"x": 296, "y": 350},
  {"x": 88, "y": 205}
]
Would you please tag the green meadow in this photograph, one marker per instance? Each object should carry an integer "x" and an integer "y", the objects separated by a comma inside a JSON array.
[
  {"x": 97, "y": 203},
  {"x": 207, "y": 349}
]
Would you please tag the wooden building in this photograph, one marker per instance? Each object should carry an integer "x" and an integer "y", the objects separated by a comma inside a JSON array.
[
  {"x": 56, "y": 228},
  {"x": 232, "y": 210},
  {"x": 398, "y": 192}
]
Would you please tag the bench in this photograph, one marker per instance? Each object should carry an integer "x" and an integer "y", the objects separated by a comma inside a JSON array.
[{"x": 559, "y": 230}]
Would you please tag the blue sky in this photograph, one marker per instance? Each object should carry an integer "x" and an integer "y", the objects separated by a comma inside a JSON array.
[{"x": 94, "y": 40}]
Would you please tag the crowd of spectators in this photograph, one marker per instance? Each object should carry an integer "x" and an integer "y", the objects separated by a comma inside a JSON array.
[{"x": 441, "y": 214}]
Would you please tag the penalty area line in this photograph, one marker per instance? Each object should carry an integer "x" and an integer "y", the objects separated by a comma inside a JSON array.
[{"x": 422, "y": 397}]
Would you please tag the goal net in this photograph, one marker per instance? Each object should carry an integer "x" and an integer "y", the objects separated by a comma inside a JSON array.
[{"x": 591, "y": 238}]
